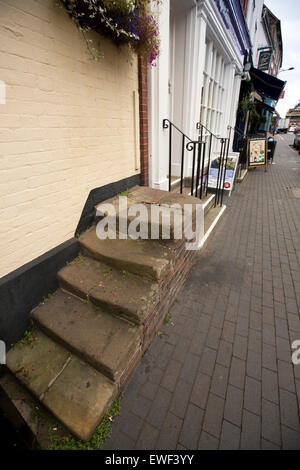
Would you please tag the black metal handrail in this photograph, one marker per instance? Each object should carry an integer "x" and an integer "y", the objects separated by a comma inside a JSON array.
[
  {"x": 224, "y": 141},
  {"x": 197, "y": 147}
]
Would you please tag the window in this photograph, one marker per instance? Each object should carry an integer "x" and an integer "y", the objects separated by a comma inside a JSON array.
[{"x": 213, "y": 92}]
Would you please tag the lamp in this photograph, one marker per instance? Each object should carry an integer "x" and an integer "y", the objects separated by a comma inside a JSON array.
[{"x": 285, "y": 70}]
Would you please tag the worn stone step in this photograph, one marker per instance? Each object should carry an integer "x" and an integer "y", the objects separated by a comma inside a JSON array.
[
  {"x": 106, "y": 342},
  {"x": 76, "y": 393},
  {"x": 149, "y": 258},
  {"x": 151, "y": 197},
  {"x": 118, "y": 291}
]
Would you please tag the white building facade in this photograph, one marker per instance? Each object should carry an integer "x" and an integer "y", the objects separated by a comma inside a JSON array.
[{"x": 197, "y": 79}]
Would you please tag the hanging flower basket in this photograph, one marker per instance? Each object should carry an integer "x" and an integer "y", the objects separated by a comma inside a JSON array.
[{"x": 123, "y": 21}]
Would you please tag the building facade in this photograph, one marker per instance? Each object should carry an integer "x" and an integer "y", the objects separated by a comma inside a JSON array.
[
  {"x": 198, "y": 76},
  {"x": 264, "y": 89},
  {"x": 294, "y": 115}
]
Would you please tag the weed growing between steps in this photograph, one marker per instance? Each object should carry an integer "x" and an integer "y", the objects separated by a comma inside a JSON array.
[
  {"x": 125, "y": 193},
  {"x": 45, "y": 299},
  {"x": 27, "y": 339},
  {"x": 101, "y": 434},
  {"x": 168, "y": 318},
  {"x": 77, "y": 260},
  {"x": 106, "y": 273}
]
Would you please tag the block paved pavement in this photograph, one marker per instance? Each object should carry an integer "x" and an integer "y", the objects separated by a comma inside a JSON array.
[{"x": 221, "y": 377}]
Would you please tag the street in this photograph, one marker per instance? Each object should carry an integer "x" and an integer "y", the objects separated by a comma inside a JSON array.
[{"x": 221, "y": 375}]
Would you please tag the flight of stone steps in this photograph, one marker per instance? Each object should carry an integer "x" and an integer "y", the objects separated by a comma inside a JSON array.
[{"x": 92, "y": 332}]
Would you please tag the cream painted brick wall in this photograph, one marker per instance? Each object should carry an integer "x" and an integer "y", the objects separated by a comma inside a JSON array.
[{"x": 67, "y": 126}]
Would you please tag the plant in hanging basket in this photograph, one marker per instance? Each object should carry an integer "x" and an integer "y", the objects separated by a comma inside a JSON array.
[{"x": 123, "y": 21}]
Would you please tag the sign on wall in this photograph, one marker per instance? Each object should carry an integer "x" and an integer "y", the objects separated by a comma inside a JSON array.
[
  {"x": 229, "y": 173},
  {"x": 257, "y": 152}
]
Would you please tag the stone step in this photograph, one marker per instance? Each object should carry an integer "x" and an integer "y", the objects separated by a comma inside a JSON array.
[
  {"x": 149, "y": 258},
  {"x": 107, "y": 343},
  {"x": 120, "y": 292},
  {"x": 76, "y": 393},
  {"x": 150, "y": 197}
]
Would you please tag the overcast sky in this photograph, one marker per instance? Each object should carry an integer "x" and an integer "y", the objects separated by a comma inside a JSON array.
[{"x": 288, "y": 12}]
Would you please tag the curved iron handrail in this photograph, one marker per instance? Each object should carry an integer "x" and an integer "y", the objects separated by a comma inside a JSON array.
[
  {"x": 199, "y": 162},
  {"x": 191, "y": 145},
  {"x": 199, "y": 125}
]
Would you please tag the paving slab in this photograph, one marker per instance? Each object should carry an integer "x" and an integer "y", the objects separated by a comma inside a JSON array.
[
  {"x": 103, "y": 340},
  {"x": 123, "y": 294}
]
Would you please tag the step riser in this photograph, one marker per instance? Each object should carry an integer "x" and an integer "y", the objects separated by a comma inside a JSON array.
[
  {"x": 110, "y": 307},
  {"x": 210, "y": 205}
]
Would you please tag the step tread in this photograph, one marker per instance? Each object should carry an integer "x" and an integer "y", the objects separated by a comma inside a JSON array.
[
  {"x": 122, "y": 293},
  {"x": 104, "y": 341},
  {"x": 73, "y": 391},
  {"x": 144, "y": 257}
]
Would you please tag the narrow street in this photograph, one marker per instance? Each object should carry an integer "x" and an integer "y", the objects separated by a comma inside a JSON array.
[{"x": 221, "y": 375}]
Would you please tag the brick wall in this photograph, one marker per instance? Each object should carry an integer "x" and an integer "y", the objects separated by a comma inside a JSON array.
[
  {"x": 143, "y": 122},
  {"x": 67, "y": 126}
]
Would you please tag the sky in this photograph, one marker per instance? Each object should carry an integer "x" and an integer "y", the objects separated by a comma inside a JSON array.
[{"x": 288, "y": 12}]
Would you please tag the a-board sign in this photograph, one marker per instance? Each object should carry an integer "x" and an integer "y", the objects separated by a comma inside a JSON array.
[
  {"x": 231, "y": 166},
  {"x": 257, "y": 154}
]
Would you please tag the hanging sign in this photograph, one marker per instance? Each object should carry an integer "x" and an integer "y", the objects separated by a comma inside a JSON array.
[
  {"x": 229, "y": 173},
  {"x": 257, "y": 155},
  {"x": 264, "y": 60}
]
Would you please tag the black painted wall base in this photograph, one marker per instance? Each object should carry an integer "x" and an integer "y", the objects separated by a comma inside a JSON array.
[
  {"x": 24, "y": 288},
  {"x": 101, "y": 194}
]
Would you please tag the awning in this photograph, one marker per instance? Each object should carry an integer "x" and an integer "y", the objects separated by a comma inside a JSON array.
[
  {"x": 265, "y": 106},
  {"x": 266, "y": 85}
]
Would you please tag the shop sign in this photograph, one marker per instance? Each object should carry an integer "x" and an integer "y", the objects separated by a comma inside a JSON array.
[{"x": 264, "y": 60}]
